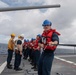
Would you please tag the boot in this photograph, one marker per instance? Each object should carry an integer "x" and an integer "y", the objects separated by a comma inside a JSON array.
[
  {"x": 36, "y": 68},
  {"x": 18, "y": 69},
  {"x": 9, "y": 66},
  {"x": 33, "y": 67}
]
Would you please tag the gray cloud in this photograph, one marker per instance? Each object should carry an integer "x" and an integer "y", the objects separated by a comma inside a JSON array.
[{"x": 29, "y": 22}]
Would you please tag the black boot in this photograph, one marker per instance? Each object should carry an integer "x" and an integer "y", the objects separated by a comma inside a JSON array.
[
  {"x": 32, "y": 63},
  {"x": 9, "y": 66},
  {"x": 36, "y": 68},
  {"x": 33, "y": 67},
  {"x": 18, "y": 69}
]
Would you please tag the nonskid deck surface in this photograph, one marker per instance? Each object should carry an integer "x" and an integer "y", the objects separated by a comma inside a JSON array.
[{"x": 62, "y": 65}]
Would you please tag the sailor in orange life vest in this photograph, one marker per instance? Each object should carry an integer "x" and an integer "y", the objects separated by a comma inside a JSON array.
[{"x": 48, "y": 42}]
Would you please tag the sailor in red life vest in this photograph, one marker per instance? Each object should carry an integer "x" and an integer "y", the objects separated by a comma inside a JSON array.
[
  {"x": 36, "y": 52},
  {"x": 48, "y": 42},
  {"x": 24, "y": 48},
  {"x": 32, "y": 50},
  {"x": 27, "y": 49}
]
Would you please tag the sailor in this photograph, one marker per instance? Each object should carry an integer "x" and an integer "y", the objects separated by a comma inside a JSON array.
[
  {"x": 36, "y": 52},
  {"x": 18, "y": 53},
  {"x": 48, "y": 42},
  {"x": 11, "y": 44},
  {"x": 24, "y": 49}
]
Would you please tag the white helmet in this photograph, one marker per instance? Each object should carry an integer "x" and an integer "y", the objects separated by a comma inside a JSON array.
[{"x": 22, "y": 35}]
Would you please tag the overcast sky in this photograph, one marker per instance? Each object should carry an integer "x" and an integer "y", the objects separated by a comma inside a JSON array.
[{"x": 29, "y": 22}]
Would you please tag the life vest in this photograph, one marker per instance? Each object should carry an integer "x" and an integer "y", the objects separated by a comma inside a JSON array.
[
  {"x": 16, "y": 45},
  {"x": 47, "y": 37},
  {"x": 31, "y": 45},
  {"x": 36, "y": 47}
]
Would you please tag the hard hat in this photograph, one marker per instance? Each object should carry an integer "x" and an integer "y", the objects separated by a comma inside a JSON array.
[
  {"x": 34, "y": 39},
  {"x": 22, "y": 35},
  {"x": 19, "y": 36},
  {"x": 25, "y": 40},
  {"x": 31, "y": 39},
  {"x": 39, "y": 35},
  {"x": 46, "y": 23},
  {"x": 13, "y": 34}
]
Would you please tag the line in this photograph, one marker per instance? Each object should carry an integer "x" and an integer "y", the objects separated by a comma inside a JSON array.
[
  {"x": 70, "y": 62},
  {"x": 67, "y": 56},
  {"x": 2, "y": 67}
]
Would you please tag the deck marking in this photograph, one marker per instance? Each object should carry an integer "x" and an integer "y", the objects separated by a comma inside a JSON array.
[
  {"x": 70, "y": 62},
  {"x": 2, "y": 67}
]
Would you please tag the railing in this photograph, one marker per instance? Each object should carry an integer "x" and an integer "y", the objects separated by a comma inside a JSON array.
[
  {"x": 61, "y": 49},
  {"x": 65, "y": 50}
]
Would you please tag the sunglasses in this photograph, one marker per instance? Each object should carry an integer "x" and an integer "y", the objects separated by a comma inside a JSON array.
[{"x": 46, "y": 25}]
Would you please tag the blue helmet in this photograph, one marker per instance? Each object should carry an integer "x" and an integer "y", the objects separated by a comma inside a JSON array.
[
  {"x": 27, "y": 40},
  {"x": 32, "y": 39},
  {"x": 39, "y": 35},
  {"x": 46, "y": 23},
  {"x": 24, "y": 40}
]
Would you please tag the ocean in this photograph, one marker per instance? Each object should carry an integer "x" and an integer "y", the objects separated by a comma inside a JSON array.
[{"x": 62, "y": 50}]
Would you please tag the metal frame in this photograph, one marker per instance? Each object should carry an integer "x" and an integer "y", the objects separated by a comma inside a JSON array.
[{"x": 28, "y": 7}]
